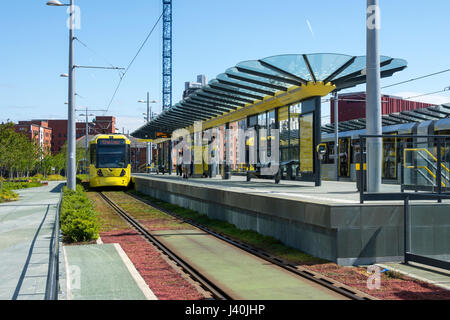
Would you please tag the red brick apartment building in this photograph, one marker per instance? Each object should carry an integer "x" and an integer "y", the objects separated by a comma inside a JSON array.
[
  {"x": 352, "y": 106},
  {"x": 52, "y": 134},
  {"x": 37, "y": 131},
  {"x": 101, "y": 125}
]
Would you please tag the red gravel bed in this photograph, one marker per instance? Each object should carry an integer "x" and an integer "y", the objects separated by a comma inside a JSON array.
[
  {"x": 165, "y": 282},
  {"x": 404, "y": 288}
]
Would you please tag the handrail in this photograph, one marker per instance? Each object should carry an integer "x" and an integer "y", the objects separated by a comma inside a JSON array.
[
  {"x": 429, "y": 171},
  {"x": 53, "y": 276},
  {"x": 434, "y": 167},
  {"x": 425, "y": 176},
  {"x": 418, "y": 150},
  {"x": 427, "y": 151}
]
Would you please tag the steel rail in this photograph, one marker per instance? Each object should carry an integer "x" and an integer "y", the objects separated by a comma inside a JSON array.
[
  {"x": 216, "y": 292},
  {"x": 298, "y": 270}
]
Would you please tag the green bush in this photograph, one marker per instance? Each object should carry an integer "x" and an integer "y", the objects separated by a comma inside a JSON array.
[
  {"x": 37, "y": 177},
  {"x": 82, "y": 178},
  {"x": 20, "y": 185},
  {"x": 55, "y": 177},
  {"x": 78, "y": 217},
  {"x": 8, "y": 195}
]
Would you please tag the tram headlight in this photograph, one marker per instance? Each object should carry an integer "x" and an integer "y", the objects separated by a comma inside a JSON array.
[
  {"x": 100, "y": 173},
  {"x": 123, "y": 173}
]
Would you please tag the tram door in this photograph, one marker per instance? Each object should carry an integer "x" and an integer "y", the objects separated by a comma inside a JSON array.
[{"x": 344, "y": 158}]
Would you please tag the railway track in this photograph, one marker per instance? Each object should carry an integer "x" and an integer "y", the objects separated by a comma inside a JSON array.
[
  {"x": 339, "y": 288},
  {"x": 207, "y": 285}
]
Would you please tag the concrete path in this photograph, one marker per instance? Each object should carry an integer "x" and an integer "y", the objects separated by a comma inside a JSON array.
[
  {"x": 103, "y": 272},
  {"x": 26, "y": 228},
  {"x": 436, "y": 276}
]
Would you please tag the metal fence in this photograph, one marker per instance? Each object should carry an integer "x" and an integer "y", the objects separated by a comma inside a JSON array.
[
  {"x": 52, "y": 287},
  {"x": 424, "y": 169}
]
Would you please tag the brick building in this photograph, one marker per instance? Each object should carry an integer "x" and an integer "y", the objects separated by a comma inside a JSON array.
[
  {"x": 37, "y": 131},
  {"x": 352, "y": 106},
  {"x": 100, "y": 125}
]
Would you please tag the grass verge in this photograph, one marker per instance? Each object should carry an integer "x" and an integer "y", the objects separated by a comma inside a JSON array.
[
  {"x": 152, "y": 218},
  {"x": 109, "y": 221}
]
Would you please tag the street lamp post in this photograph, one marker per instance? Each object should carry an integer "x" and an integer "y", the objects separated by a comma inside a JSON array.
[
  {"x": 149, "y": 118},
  {"x": 71, "y": 151}
]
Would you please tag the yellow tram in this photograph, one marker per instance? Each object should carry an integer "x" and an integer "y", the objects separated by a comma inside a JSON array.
[{"x": 110, "y": 164}]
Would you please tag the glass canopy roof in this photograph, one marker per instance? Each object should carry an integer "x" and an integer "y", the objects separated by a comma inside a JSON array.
[{"x": 251, "y": 81}]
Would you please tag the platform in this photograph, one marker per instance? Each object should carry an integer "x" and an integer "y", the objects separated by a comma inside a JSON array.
[
  {"x": 103, "y": 272},
  {"x": 26, "y": 228},
  {"x": 436, "y": 276},
  {"x": 328, "y": 221}
]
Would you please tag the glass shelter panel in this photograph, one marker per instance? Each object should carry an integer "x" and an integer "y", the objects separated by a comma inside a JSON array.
[{"x": 307, "y": 143}]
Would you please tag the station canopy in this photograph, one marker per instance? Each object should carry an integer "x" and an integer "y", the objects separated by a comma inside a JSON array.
[{"x": 266, "y": 83}]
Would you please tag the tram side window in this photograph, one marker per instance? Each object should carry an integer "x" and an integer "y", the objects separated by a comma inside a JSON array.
[
  {"x": 128, "y": 155},
  {"x": 93, "y": 153}
]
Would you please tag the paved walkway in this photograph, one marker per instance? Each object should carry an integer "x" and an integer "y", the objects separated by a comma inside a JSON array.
[
  {"x": 26, "y": 228},
  {"x": 436, "y": 276},
  {"x": 103, "y": 272}
]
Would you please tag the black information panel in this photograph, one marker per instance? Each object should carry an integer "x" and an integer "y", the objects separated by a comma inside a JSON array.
[{"x": 111, "y": 142}]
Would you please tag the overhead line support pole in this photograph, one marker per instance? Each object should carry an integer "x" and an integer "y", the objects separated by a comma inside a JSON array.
[{"x": 373, "y": 93}]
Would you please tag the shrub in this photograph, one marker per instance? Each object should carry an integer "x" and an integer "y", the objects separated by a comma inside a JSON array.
[
  {"x": 20, "y": 185},
  {"x": 55, "y": 177},
  {"x": 78, "y": 217},
  {"x": 8, "y": 195},
  {"x": 37, "y": 177}
]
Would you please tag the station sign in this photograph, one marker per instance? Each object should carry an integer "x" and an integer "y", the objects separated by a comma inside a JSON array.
[{"x": 162, "y": 135}]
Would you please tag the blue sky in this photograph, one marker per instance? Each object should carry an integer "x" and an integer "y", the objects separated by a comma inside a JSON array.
[{"x": 209, "y": 36}]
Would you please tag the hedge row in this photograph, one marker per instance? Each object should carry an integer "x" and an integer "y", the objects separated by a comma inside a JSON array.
[
  {"x": 20, "y": 185},
  {"x": 78, "y": 217}
]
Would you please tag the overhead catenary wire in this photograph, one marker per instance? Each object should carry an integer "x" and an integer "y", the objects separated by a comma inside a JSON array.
[
  {"x": 100, "y": 56},
  {"x": 430, "y": 93},
  {"x": 410, "y": 80},
  {"x": 418, "y": 78},
  {"x": 132, "y": 61}
]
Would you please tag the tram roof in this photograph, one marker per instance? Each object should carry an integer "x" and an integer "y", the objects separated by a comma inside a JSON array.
[
  {"x": 399, "y": 118},
  {"x": 255, "y": 86}
]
